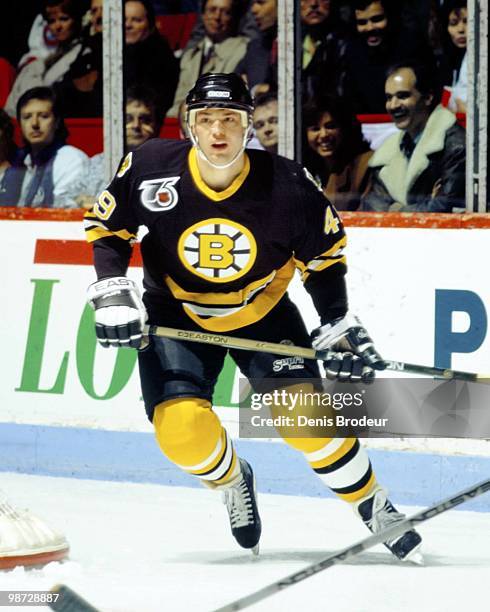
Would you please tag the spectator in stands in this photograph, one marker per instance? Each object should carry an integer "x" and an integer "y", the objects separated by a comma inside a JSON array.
[
  {"x": 421, "y": 168},
  {"x": 142, "y": 118},
  {"x": 64, "y": 18},
  {"x": 378, "y": 42},
  {"x": 324, "y": 46},
  {"x": 148, "y": 59},
  {"x": 96, "y": 10},
  {"x": 80, "y": 91},
  {"x": 246, "y": 26},
  {"x": 220, "y": 49},
  {"x": 143, "y": 121},
  {"x": 265, "y": 121},
  {"x": 259, "y": 66},
  {"x": 335, "y": 151},
  {"x": 8, "y": 150},
  {"x": 46, "y": 166},
  {"x": 454, "y": 65}
]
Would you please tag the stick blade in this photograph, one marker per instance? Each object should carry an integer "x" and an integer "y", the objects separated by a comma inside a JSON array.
[{"x": 69, "y": 601}]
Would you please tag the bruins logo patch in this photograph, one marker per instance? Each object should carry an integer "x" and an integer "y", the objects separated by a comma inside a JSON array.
[{"x": 218, "y": 250}]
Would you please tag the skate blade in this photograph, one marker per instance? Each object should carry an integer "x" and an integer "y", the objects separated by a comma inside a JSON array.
[
  {"x": 255, "y": 550},
  {"x": 415, "y": 558}
]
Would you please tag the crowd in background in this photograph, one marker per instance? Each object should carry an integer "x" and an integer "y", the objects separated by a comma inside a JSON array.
[{"x": 359, "y": 57}]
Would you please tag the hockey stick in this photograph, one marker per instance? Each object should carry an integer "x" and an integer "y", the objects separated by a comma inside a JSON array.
[
  {"x": 299, "y": 351},
  {"x": 69, "y": 601},
  {"x": 355, "y": 549}
]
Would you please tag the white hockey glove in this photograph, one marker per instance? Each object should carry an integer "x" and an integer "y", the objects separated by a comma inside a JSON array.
[
  {"x": 120, "y": 314},
  {"x": 351, "y": 356}
]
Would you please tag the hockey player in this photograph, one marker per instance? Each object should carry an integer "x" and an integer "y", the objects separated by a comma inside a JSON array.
[{"x": 226, "y": 230}]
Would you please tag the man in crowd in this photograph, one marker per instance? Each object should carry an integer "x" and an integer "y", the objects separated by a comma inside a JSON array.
[
  {"x": 422, "y": 167},
  {"x": 46, "y": 167},
  {"x": 220, "y": 49},
  {"x": 324, "y": 47},
  {"x": 265, "y": 121},
  {"x": 259, "y": 66},
  {"x": 226, "y": 230},
  {"x": 379, "y": 41}
]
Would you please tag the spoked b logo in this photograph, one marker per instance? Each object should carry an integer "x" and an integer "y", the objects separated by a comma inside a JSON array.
[{"x": 218, "y": 250}]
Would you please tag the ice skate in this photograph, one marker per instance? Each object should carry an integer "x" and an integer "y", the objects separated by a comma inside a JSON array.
[
  {"x": 378, "y": 513},
  {"x": 240, "y": 500}
]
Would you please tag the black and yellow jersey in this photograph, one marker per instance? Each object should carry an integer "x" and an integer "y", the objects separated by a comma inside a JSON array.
[{"x": 225, "y": 257}]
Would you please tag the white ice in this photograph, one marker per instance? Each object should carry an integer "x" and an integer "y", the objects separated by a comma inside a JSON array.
[{"x": 150, "y": 548}]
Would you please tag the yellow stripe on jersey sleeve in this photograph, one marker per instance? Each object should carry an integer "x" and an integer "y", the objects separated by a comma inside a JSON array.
[
  {"x": 96, "y": 233},
  {"x": 325, "y": 260}
]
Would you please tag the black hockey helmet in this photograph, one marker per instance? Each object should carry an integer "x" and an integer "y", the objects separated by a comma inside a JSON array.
[{"x": 220, "y": 90}]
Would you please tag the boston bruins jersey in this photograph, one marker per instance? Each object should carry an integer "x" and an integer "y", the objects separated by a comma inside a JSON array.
[{"x": 224, "y": 257}]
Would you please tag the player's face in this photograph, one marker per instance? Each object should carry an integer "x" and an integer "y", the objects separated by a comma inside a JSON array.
[
  {"x": 457, "y": 27},
  {"x": 324, "y": 137},
  {"x": 266, "y": 124},
  {"x": 371, "y": 23},
  {"x": 404, "y": 102},
  {"x": 61, "y": 25},
  {"x": 218, "y": 19},
  {"x": 140, "y": 124},
  {"x": 136, "y": 24},
  {"x": 314, "y": 12},
  {"x": 38, "y": 123},
  {"x": 219, "y": 132},
  {"x": 96, "y": 15},
  {"x": 265, "y": 13}
]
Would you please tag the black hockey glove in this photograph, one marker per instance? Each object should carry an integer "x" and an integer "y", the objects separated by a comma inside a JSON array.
[
  {"x": 120, "y": 314},
  {"x": 351, "y": 355},
  {"x": 347, "y": 367}
]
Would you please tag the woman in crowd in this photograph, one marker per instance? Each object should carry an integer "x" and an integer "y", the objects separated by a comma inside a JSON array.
[
  {"x": 148, "y": 59},
  {"x": 454, "y": 70},
  {"x": 64, "y": 19},
  {"x": 46, "y": 167},
  {"x": 335, "y": 151},
  {"x": 80, "y": 91}
]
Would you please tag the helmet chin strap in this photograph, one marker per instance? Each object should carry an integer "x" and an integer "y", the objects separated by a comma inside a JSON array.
[{"x": 203, "y": 156}]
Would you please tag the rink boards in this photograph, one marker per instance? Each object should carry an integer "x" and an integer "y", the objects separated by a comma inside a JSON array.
[{"x": 68, "y": 406}]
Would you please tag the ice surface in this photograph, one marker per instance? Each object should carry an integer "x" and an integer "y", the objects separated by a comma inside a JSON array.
[{"x": 150, "y": 548}]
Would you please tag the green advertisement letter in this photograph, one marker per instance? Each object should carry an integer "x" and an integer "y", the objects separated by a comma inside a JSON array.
[
  {"x": 86, "y": 346},
  {"x": 36, "y": 340},
  {"x": 224, "y": 385}
]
